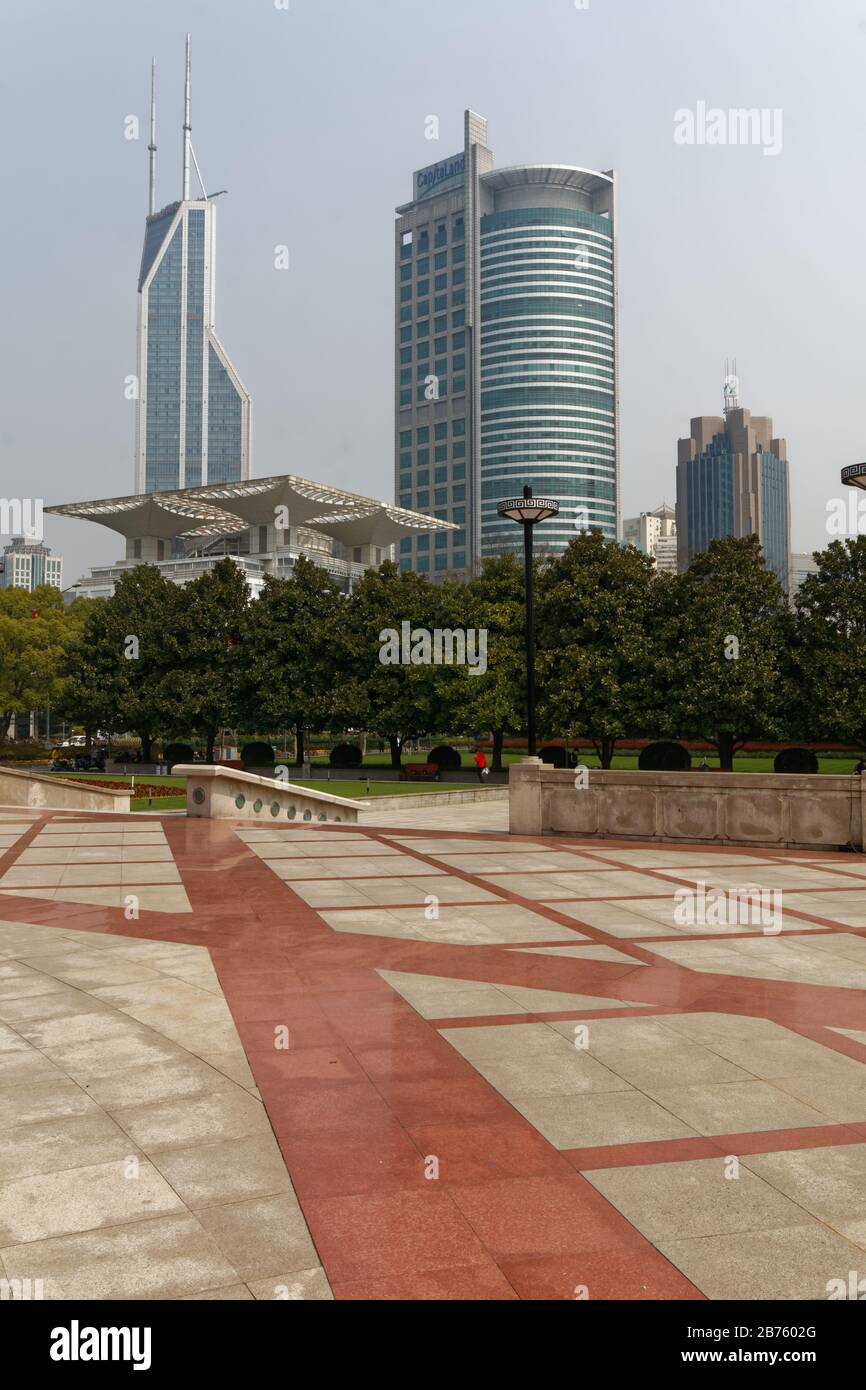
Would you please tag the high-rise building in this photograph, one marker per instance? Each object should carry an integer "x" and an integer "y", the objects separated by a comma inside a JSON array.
[
  {"x": 27, "y": 564},
  {"x": 803, "y": 564},
  {"x": 733, "y": 480},
  {"x": 193, "y": 418},
  {"x": 655, "y": 533},
  {"x": 505, "y": 351}
]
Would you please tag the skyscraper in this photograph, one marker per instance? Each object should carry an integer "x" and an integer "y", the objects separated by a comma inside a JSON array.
[
  {"x": 655, "y": 533},
  {"x": 733, "y": 480},
  {"x": 194, "y": 413},
  {"x": 505, "y": 351},
  {"x": 27, "y": 563}
]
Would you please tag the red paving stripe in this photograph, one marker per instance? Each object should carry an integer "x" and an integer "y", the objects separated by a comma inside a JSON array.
[{"x": 713, "y": 1146}]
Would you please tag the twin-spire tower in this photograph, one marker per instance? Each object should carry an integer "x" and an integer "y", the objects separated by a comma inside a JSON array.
[{"x": 194, "y": 413}]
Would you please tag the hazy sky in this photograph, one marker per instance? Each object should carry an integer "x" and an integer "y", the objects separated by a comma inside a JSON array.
[{"x": 313, "y": 117}]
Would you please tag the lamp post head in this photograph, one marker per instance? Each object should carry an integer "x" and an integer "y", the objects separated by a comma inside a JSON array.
[
  {"x": 855, "y": 475},
  {"x": 527, "y": 510}
]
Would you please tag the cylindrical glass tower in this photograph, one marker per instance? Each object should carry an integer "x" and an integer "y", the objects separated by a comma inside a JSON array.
[{"x": 547, "y": 349}]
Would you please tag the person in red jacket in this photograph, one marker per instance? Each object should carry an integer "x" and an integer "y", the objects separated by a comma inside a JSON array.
[{"x": 481, "y": 763}]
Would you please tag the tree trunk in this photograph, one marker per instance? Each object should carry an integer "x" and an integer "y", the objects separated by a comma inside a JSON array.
[
  {"x": 146, "y": 747},
  {"x": 88, "y": 741},
  {"x": 725, "y": 746},
  {"x": 5, "y": 721},
  {"x": 605, "y": 752},
  {"x": 394, "y": 744},
  {"x": 211, "y": 740},
  {"x": 299, "y": 746},
  {"x": 498, "y": 736}
]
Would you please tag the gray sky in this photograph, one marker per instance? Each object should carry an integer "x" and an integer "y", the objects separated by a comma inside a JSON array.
[{"x": 314, "y": 117}]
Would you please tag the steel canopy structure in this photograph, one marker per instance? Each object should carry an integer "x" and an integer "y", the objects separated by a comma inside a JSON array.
[{"x": 226, "y": 509}]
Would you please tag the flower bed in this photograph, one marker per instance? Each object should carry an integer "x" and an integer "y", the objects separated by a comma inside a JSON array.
[{"x": 141, "y": 791}]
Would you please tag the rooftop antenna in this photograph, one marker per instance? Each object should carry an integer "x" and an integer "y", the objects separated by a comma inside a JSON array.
[
  {"x": 151, "y": 149},
  {"x": 731, "y": 390},
  {"x": 187, "y": 127}
]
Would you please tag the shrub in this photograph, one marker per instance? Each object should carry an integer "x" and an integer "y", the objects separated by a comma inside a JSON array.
[
  {"x": 664, "y": 757},
  {"x": 795, "y": 760},
  {"x": 177, "y": 753},
  {"x": 346, "y": 755},
  {"x": 554, "y": 754},
  {"x": 23, "y": 752},
  {"x": 446, "y": 759},
  {"x": 257, "y": 755}
]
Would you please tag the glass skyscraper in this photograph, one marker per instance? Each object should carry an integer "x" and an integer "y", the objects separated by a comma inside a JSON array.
[
  {"x": 506, "y": 351},
  {"x": 733, "y": 480},
  {"x": 194, "y": 413}
]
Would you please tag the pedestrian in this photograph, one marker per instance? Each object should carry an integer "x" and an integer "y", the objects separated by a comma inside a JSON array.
[
  {"x": 860, "y": 768},
  {"x": 481, "y": 764}
]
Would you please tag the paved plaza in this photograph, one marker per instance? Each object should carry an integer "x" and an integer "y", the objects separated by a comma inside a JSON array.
[{"x": 417, "y": 1058}]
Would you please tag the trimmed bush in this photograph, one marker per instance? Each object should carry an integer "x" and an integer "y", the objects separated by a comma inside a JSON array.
[
  {"x": 177, "y": 753},
  {"x": 446, "y": 759},
  {"x": 24, "y": 752},
  {"x": 346, "y": 755},
  {"x": 555, "y": 755},
  {"x": 257, "y": 755},
  {"x": 795, "y": 760},
  {"x": 664, "y": 757}
]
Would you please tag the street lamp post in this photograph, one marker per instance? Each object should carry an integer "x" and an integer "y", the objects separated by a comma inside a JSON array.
[{"x": 527, "y": 511}]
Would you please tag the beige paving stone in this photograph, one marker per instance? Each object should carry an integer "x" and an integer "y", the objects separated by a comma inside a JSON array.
[
  {"x": 539, "y": 1072},
  {"x": 90, "y": 969},
  {"x": 214, "y": 1115},
  {"x": 300, "y": 1285},
  {"x": 839, "y": 1101},
  {"x": 585, "y": 1121},
  {"x": 148, "y": 1085},
  {"x": 292, "y": 849},
  {"x": 589, "y": 952},
  {"x": 673, "y": 1201},
  {"x": 355, "y": 892},
  {"x": 24, "y": 1068},
  {"x": 792, "y": 1263},
  {"x": 230, "y": 1293},
  {"x": 500, "y": 1041},
  {"x": 829, "y": 1182},
  {"x": 435, "y": 997},
  {"x": 612, "y": 883},
  {"x": 62, "y": 1142},
  {"x": 395, "y": 866},
  {"x": 162, "y": 1258},
  {"x": 232, "y": 1170},
  {"x": 82, "y": 1199},
  {"x": 50, "y": 1033},
  {"x": 86, "y": 1061},
  {"x": 31, "y": 1100},
  {"x": 529, "y": 861},
  {"x": 233, "y": 1064},
  {"x": 262, "y": 1238},
  {"x": 479, "y": 925},
  {"x": 735, "y": 1107}
]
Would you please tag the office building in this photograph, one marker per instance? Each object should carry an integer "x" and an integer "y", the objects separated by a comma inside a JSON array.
[
  {"x": 733, "y": 480},
  {"x": 27, "y": 564},
  {"x": 802, "y": 565},
  {"x": 505, "y": 352},
  {"x": 655, "y": 533},
  {"x": 193, "y": 414}
]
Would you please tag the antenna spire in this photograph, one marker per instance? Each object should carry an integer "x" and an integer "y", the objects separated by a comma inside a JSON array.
[
  {"x": 151, "y": 149},
  {"x": 187, "y": 127}
]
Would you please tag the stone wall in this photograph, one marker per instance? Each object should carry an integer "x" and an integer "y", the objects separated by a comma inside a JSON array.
[
  {"x": 223, "y": 793},
  {"x": 734, "y": 808},
  {"x": 31, "y": 789}
]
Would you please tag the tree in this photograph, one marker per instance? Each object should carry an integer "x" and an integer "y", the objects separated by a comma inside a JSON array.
[
  {"x": 829, "y": 650},
  {"x": 399, "y": 698},
  {"x": 121, "y": 668},
  {"x": 597, "y": 661},
  {"x": 33, "y": 629},
  {"x": 495, "y": 700},
  {"x": 203, "y": 682},
  {"x": 731, "y": 642},
  {"x": 289, "y": 676}
]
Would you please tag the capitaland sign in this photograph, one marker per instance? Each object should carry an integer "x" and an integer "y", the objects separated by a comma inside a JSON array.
[{"x": 431, "y": 179}]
